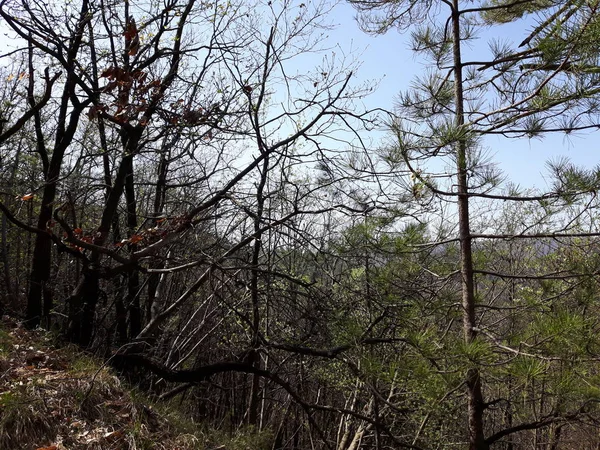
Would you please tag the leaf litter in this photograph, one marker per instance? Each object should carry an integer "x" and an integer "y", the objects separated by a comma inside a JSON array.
[{"x": 61, "y": 399}]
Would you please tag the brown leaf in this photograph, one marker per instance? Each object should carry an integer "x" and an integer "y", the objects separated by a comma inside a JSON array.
[
  {"x": 135, "y": 239},
  {"x": 134, "y": 47},
  {"x": 93, "y": 112},
  {"x": 132, "y": 37},
  {"x": 123, "y": 76},
  {"x": 110, "y": 86},
  {"x": 131, "y": 29},
  {"x": 108, "y": 73},
  {"x": 139, "y": 75},
  {"x": 113, "y": 435}
]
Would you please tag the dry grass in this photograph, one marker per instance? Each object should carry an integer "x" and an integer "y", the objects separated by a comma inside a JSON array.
[{"x": 63, "y": 399}]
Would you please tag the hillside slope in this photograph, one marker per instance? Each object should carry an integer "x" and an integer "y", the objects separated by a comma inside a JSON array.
[{"x": 62, "y": 399}]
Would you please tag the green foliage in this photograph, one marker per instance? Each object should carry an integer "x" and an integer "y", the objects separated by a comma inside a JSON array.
[
  {"x": 382, "y": 286},
  {"x": 564, "y": 332},
  {"x": 249, "y": 439},
  {"x": 570, "y": 181},
  {"x": 477, "y": 351},
  {"x": 6, "y": 343},
  {"x": 22, "y": 424},
  {"x": 524, "y": 370},
  {"x": 512, "y": 10}
]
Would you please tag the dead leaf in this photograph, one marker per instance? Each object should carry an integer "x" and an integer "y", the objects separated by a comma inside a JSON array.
[
  {"x": 113, "y": 435},
  {"x": 135, "y": 239},
  {"x": 132, "y": 37},
  {"x": 93, "y": 111}
]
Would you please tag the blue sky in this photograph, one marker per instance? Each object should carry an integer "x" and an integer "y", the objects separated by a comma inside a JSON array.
[{"x": 388, "y": 59}]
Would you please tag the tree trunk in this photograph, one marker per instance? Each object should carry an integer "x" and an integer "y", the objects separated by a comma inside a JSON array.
[
  {"x": 254, "y": 356},
  {"x": 82, "y": 307},
  {"x": 133, "y": 277},
  {"x": 159, "y": 201},
  {"x": 8, "y": 292},
  {"x": 10, "y": 296},
  {"x": 475, "y": 401},
  {"x": 40, "y": 266},
  {"x": 68, "y": 119}
]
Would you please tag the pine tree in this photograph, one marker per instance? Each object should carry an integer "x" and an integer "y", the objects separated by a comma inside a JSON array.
[{"x": 548, "y": 83}]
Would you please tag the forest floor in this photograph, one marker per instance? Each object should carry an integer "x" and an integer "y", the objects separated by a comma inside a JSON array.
[{"x": 59, "y": 398}]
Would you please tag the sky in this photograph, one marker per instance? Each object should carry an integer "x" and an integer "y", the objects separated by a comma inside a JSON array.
[{"x": 388, "y": 59}]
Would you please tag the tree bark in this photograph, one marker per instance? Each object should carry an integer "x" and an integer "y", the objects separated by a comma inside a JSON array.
[
  {"x": 254, "y": 356},
  {"x": 475, "y": 401},
  {"x": 133, "y": 277},
  {"x": 68, "y": 119},
  {"x": 82, "y": 307},
  {"x": 8, "y": 292}
]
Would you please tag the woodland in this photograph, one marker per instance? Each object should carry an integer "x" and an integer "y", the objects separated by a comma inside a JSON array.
[{"x": 195, "y": 192}]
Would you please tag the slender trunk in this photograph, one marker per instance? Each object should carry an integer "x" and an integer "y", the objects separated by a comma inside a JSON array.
[
  {"x": 132, "y": 301},
  {"x": 118, "y": 283},
  {"x": 357, "y": 439},
  {"x": 254, "y": 357},
  {"x": 374, "y": 398},
  {"x": 8, "y": 294},
  {"x": 121, "y": 315},
  {"x": 10, "y": 287},
  {"x": 82, "y": 307},
  {"x": 68, "y": 119},
  {"x": 161, "y": 288},
  {"x": 159, "y": 201},
  {"x": 509, "y": 382},
  {"x": 555, "y": 443},
  {"x": 41, "y": 260},
  {"x": 120, "y": 310},
  {"x": 476, "y": 404},
  {"x": 40, "y": 265},
  {"x": 509, "y": 415},
  {"x": 133, "y": 277}
]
